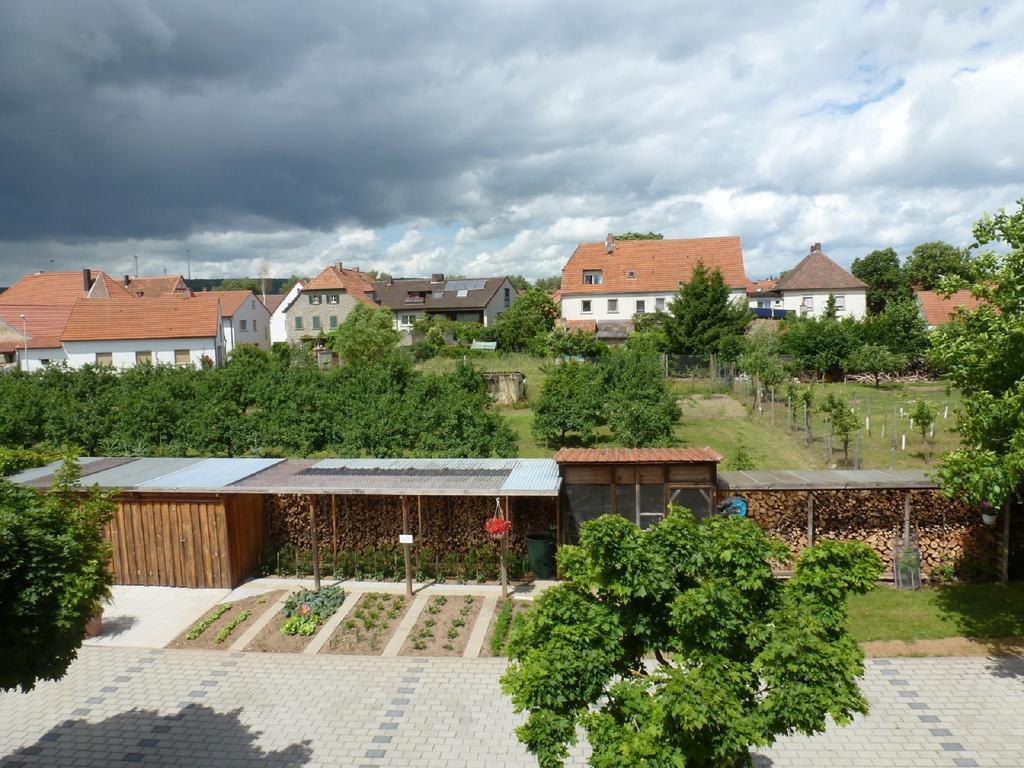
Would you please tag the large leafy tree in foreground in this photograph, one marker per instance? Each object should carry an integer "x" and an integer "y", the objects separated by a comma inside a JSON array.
[
  {"x": 53, "y": 576},
  {"x": 677, "y": 646}
]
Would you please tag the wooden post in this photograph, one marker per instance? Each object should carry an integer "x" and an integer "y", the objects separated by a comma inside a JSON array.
[
  {"x": 1004, "y": 566},
  {"x": 419, "y": 515},
  {"x": 906, "y": 519},
  {"x": 407, "y": 548},
  {"x": 334, "y": 533},
  {"x": 313, "y": 537},
  {"x": 810, "y": 518}
]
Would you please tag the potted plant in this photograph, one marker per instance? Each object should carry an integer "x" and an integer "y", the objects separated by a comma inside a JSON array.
[
  {"x": 988, "y": 515},
  {"x": 94, "y": 626}
]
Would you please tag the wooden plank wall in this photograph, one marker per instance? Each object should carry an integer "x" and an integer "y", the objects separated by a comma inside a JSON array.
[
  {"x": 163, "y": 541},
  {"x": 246, "y": 534}
]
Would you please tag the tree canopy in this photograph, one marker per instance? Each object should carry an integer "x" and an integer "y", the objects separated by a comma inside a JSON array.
[
  {"x": 702, "y": 314},
  {"x": 639, "y": 236},
  {"x": 930, "y": 262},
  {"x": 886, "y": 280},
  {"x": 641, "y": 410},
  {"x": 571, "y": 400},
  {"x": 526, "y": 323},
  {"x": 53, "y": 576},
  {"x": 742, "y": 656},
  {"x": 982, "y": 354},
  {"x": 366, "y": 335}
]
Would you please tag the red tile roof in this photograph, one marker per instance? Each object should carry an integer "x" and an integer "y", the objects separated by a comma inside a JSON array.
[
  {"x": 581, "y": 325},
  {"x": 44, "y": 323},
  {"x": 817, "y": 272},
  {"x": 60, "y": 288},
  {"x": 637, "y": 456},
  {"x": 157, "y": 286},
  {"x": 658, "y": 265},
  {"x": 230, "y": 301},
  {"x": 761, "y": 286},
  {"x": 356, "y": 283},
  {"x": 272, "y": 301},
  {"x": 166, "y": 317},
  {"x": 937, "y": 309}
]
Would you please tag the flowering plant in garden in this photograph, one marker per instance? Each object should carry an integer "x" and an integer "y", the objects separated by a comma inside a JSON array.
[{"x": 497, "y": 527}]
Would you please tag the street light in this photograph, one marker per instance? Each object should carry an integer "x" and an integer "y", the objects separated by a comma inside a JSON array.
[{"x": 24, "y": 335}]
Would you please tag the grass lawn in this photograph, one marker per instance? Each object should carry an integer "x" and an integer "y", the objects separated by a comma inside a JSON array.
[{"x": 982, "y": 611}]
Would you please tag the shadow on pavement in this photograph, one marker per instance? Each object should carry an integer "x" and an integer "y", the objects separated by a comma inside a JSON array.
[{"x": 197, "y": 735}]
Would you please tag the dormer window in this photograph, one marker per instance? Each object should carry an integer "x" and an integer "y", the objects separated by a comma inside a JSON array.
[
  {"x": 333, "y": 298},
  {"x": 631, "y": 274},
  {"x": 592, "y": 277}
]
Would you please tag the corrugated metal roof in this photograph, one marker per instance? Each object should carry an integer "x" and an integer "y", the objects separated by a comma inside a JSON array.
[
  {"x": 824, "y": 479},
  {"x": 211, "y": 473},
  {"x": 435, "y": 477},
  {"x": 42, "y": 477},
  {"x": 637, "y": 455}
]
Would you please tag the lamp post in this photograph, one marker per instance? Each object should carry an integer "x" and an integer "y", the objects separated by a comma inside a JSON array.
[{"x": 24, "y": 336}]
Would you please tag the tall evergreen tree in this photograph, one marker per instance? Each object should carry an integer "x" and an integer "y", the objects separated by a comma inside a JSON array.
[{"x": 702, "y": 314}]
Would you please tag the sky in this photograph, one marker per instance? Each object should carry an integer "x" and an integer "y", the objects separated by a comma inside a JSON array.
[{"x": 258, "y": 137}]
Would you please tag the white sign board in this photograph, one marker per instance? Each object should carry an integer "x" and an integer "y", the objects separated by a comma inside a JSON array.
[{"x": 405, "y": 538}]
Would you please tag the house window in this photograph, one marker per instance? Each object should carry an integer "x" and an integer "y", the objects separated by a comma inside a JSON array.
[
  {"x": 143, "y": 358},
  {"x": 407, "y": 320},
  {"x": 315, "y": 298},
  {"x": 182, "y": 357},
  {"x": 253, "y": 326},
  {"x": 631, "y": 274},
  {"x": 613, "y": 306},
  {"x": 659, "y": 304},
  {"x": 242, "y": 325},
  {"x": 316, "y": 323},
  {"x": 105, "y": 358},
  {"x": 840, "y": 304},
  {"x": 592, "y": 277},
  {"x": 334, "y": 322},
  {"x": 586, "y": 306},
  {"x": 333, "y": 298},
  {"x": 641, "y": 306},
  {"x": 298, "y": 323},
  {"x": 508, "y": 297},
  {"x": 764, "y": 304},
  {"x": 807, "y": 305}
]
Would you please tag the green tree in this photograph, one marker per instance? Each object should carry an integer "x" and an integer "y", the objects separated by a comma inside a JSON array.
[
  {"x": 930, "y": 262},
  {"x": 53, "y": 576},
  {"x": 571, "y": 400},
  {"x": 548, "y": 284},
  {"x": 841, "y": 420},
  {"x": 899, "y": 327},
  {"x": 760, "y": 357},
  {"x": 982, "y": 355},
  {"x": 649, "y": 334},
  {"x": 742, "y": 656},
  {"x": 923, "y": 415},
  {"x": 238, "y": 284},
  {"x": 576, "y": 343},
  {"x": 290, "y": 283},
  {"x": 641, "y": 410},
  {"x": 529, "y": 319},
  {"x": 365, "y": 335},
  {"x": 876, "y": 360},
  {"x": 884, "y": 276},
  {"x": 639, "y": 236},
  {"x": 702, "y": 315},
  {"x": 820, "y": 344},
  {"x": 519, "y": 282}
]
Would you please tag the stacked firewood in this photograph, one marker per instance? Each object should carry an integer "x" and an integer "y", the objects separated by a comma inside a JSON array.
[
  {"x": 442, "y": 523},
  {"x": 945, "y": 531}
]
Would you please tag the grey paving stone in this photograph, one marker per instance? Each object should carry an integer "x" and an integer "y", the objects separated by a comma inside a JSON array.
[
  {"x": 133, "y": 757},
  {"x": 952, "y": 747},
  {"x": 919, "y": 705},
  {"x": 389, "y": 726},
  {"x": 381, "y": 739},
  {"x": 375, "y": 753},
  {"x": 395, "y": 713},
  {"x": 964, "y": 762},
  {"x": 400, "y": 702},
  {"x": 81, "y": 711},
  {"x": 940, "y": 732},
  {"x": 928, "y": 718}
]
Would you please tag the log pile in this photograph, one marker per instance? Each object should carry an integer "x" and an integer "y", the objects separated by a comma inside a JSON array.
[
  {"x": 948, "y": 533},
  {"x": 445, "y": 524}
]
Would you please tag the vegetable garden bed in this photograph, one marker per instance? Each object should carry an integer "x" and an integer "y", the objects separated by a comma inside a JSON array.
[
  {"x": 500, "y": 628},
  {"x": 444, "y": 626},
  {"x": 225, "y": 623},
  {"x": 369, "y": 626},
  {"x": 303, "y": 618}
]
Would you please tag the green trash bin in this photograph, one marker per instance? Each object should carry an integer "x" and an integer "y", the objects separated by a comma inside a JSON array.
[{"x": 540, "y": 549}]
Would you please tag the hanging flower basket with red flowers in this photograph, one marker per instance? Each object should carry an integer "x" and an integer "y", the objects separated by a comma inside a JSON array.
[{"x": 498, "y": 527}]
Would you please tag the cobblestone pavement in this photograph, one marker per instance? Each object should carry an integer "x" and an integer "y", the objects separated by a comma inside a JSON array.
[{"x": 121, "y": 706}]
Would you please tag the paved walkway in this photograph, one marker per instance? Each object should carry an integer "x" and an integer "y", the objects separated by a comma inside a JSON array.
[{"x": 120, "y": 706}]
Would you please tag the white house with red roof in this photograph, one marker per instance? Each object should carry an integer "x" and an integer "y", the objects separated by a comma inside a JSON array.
[
  {"x": 245, "y": 319},
  {"x": 604, "y": 285},
  {"x": 805, "y": 290}
]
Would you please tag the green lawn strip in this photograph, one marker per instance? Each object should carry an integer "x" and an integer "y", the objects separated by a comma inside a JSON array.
[
  {"x": 227, "y": 629},
  {"x": 981, "y": 611},
  {"x": 203, "y": 625},
  {"x": 501, "y": 627}
]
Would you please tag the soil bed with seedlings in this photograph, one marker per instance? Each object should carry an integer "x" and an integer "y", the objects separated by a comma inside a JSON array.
[
  {"x": 303, "y": 617},
  {"x": 443, "y": 627},
  {"x": 506, "y": 614},
  {"x": 224, "y": 623},
  {"x": 369, "y": 625}
]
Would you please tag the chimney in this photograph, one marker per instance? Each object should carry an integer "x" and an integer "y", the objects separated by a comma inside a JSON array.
[
  {"x": 391, "y": 280},
  {"x": 609, "y": 243},
  {"x": 340, "y": 266},
  {"x": 437, "y": 277},
  {"x": 127, "y": 279},
  {"x": 816, "y": 248},
  {"x": 86, "y": 280}
]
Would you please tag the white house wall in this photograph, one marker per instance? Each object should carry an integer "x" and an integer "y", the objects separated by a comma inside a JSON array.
[
  {"x": 856, "y": 302},
  {"x": 279, "y": 320},
  {"x": 572, "y": 304},
  {"x": 81, "y": 353},
  {"x": 257, "y": 325},
  {"x": 497, "y": 303},
  {"x": 40, "y": 358}
]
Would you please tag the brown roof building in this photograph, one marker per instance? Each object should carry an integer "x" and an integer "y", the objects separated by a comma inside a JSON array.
[
  {"x": 323, "y": 303},
  {"x": 151, "y": 287},
  {"x": 806, "y": 288},
  {"x": 937, "y": 309},
  {"x": 477, "y": 300}
]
